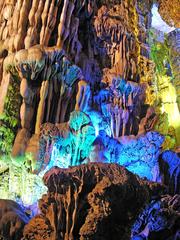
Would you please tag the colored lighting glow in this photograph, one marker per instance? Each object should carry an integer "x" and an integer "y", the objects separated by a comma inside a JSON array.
[
  {"x": 158, "y": 23},
  {"x": 169, "y": 104},
  {"x": 18, "y": 184}
]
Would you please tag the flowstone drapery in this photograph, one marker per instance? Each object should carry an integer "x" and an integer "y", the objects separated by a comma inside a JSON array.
[
  {"x": 80, "y": 96},
  {"x": 47, "y": 85},
  {"x": 87, "y": 56},
  {"x": 75, "y": 142},
  {"x": 68, "y": 143},
  {"x": 119, "y": 105}
]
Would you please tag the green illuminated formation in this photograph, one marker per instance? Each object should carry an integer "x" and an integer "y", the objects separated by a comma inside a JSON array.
[
  {"x": 88, "y": 88},
  {"x": 10, "y": 117},
  {"x": 165, "y": 89},
  {"x": 17, "y": 181}
]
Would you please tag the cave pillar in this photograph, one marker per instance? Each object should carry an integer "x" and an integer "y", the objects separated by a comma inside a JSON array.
[
  {"x": 41, "y": 106},
  {"x": 26, "y": 116}
]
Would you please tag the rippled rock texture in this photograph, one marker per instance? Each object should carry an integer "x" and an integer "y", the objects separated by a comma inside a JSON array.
[
  {"x": 94, "y": 201},
  {"x": 160, "y": 220},
  {"x": 169, "y": 11},
  {"x": 61, "y": 54},
  {"x": 169, "y": 163},
  {"x": 12, "y": 220}
]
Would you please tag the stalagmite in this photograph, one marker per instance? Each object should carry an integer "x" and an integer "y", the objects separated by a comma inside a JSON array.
[
  {"x": 41, "y": 106},
  {"x": 125, "y": 118},
  {"x": 82, "y": 96}
]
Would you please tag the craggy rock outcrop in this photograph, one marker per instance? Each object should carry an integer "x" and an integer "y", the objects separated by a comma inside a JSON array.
[
  {"x": 12, "y": 220},
  {"x": 159, "y": 220},
  {"x": 138, "y": 154},
  {"x": 169, "y": 163},
  {"x": 169, "y": 11},
  {"x": 75, "y": 142},
  {"x": 66, "y": 144},
  {"x": 94, "y": 201}
]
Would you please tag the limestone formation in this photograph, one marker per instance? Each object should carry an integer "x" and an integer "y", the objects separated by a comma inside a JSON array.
[
  {"x": 169, "y": 11},
  {"x": 86, "y": 86},
  {"x": 12, "y": 220},
  {"x": 66, "y": 144},
  {"x": 47, "y": 78},
  {"x": 75, "y": 142},
  {"x": 148, "y": 122},
  {"x": 75, "y": 207},
  {"x": 118, "y": 103},
  {"x": 170, "y": 171},
  {"x": 159, "y": 220},
  {"x": 174, "y": 44},
  {"x": 137, "y": 154},
  {"x": 107, "y": 42},
  {"x": 17, "y": 181}
]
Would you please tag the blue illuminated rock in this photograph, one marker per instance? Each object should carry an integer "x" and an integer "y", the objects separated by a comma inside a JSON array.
[
  {"x": 137, "y": 154},
  {"x": 12, "y": 220},
  {"x": 159, "y": 220},
  {"x": 170, "y": 171},
  {"x": 66, "y": 144}
]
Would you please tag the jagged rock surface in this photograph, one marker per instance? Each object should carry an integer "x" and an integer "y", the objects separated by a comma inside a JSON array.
[
  {"x": 169, "y": 163},
  {"x": 159, "y": 220},
  {"x": 169, "y": 11},
  {"x": 12, "y": 220},
  {"x": 94, "y": 201},
  {"x": 75, "y": 142},
  {"x": 103, "y": 40}
]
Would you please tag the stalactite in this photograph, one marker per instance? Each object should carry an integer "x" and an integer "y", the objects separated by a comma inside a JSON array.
[
  {"x": 63, "y": 28},
  {"x": 34, "y": 23},
  {"x": 41, "y": 106}
]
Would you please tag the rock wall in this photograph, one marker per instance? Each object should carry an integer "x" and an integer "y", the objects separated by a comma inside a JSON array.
[
  {"x": 105, "y": 40},
  {"x": 169, "y": 11},
  {"x": 159, "y": 220},
  {"x": 165, "y": 54},
  {"x": 84, "y": 89},
  {"x": 174, "y": 44},
  {"x": 76, "y": 208},
  {"x": 12, "y": 220}
]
